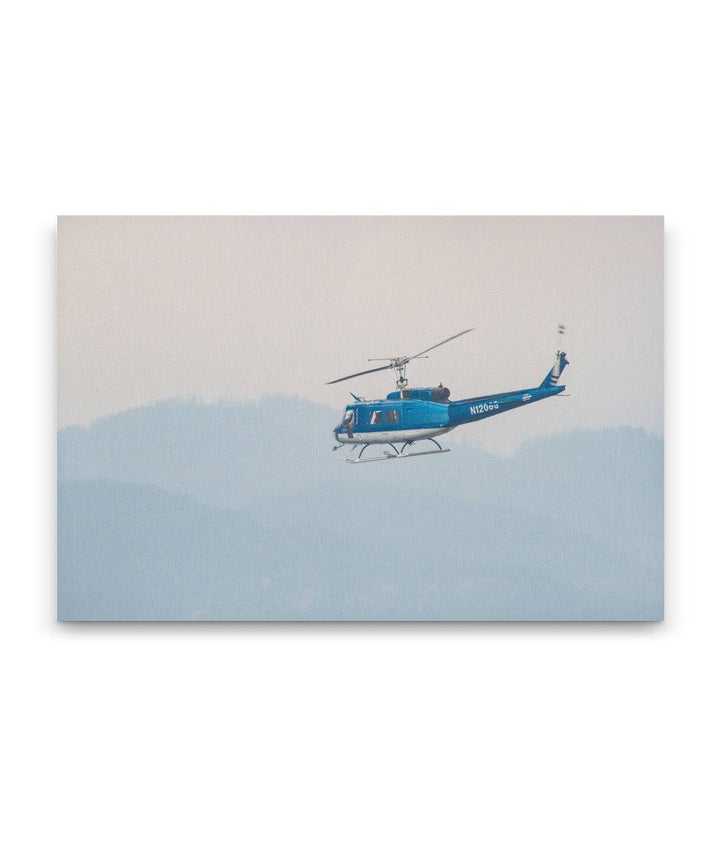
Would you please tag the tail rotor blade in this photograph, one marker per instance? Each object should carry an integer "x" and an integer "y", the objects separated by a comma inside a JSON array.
[{"x": 560, "y": 334}]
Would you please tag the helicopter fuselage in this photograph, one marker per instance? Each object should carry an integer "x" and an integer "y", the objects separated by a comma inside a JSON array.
[{"x": 407, "y": 415}]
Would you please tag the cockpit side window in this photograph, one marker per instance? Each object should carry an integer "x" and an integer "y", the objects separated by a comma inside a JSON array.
[{"x": 349, "y": 418}]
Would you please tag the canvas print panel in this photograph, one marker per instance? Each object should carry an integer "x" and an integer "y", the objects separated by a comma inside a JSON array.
[{"x": 360, "y": 418}]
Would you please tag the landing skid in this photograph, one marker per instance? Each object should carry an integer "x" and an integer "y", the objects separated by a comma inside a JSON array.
[{"x": 395, "y": 455}]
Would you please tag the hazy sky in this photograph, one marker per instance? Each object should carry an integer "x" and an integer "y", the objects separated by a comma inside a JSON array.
[{"x": 238, "y": 307}]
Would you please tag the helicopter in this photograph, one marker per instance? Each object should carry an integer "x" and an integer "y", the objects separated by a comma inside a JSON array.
[{"x": 409, "y": 416}]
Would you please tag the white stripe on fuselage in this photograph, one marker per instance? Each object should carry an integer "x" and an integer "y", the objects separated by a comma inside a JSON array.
[{"x": 400, "y": 436}]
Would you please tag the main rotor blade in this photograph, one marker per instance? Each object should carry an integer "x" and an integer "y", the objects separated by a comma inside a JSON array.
[
  {"x": 441, "y": 343},
  {"x": 357, "y": 374}
]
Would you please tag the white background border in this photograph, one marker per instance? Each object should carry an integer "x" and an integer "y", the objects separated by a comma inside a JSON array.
[{"x": 359, "y": 739}]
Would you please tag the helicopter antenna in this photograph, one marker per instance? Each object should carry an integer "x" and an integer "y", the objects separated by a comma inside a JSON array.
[{"x": 398, "y": 363}]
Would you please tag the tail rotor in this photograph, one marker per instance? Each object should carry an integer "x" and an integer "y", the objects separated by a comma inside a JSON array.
[{"x": 560, "y": 337}]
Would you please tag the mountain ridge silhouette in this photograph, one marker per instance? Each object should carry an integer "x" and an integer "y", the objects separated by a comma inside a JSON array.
[{"x": 183, "y": 510}]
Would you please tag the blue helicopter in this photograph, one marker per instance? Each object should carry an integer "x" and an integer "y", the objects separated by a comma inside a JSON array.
[{"x": 407, "y": 416}]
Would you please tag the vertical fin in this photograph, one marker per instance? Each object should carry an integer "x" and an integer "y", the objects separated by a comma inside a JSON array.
[{"x": 553, "y": 376}]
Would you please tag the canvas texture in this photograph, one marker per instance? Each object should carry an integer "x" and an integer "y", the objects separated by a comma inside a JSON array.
[{"x": 210, "y": 469}]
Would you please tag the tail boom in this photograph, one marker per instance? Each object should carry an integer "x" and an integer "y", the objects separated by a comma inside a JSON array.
[{"x": 473, "y": 409}]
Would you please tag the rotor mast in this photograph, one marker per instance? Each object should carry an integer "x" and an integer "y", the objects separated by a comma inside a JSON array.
[{"x": 401, "y": 380}]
